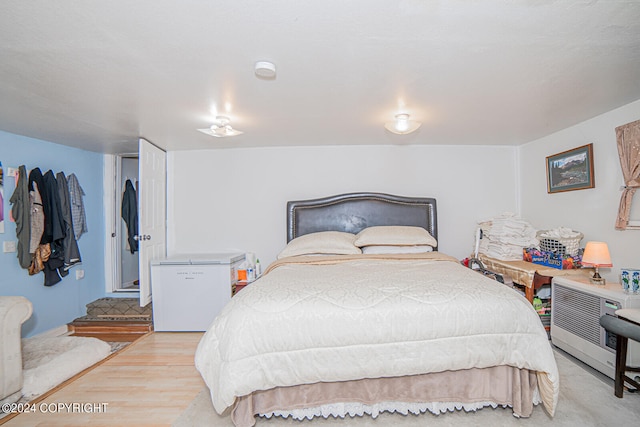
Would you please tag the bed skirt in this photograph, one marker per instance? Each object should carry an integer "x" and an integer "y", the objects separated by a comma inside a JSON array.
[{"x": 468, "y": 389}]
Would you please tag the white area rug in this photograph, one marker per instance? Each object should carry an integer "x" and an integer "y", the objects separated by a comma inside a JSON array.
[{"x": 49, "y": 361}]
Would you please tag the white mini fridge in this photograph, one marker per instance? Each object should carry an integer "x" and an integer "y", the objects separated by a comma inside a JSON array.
[{"x": 189, "y": 291}]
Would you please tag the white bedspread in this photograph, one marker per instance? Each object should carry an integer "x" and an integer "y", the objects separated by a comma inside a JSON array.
[{"x": 367, "y": 318}]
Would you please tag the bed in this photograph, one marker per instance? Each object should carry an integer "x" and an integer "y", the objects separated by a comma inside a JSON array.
[{"x": 361, "y": 314}]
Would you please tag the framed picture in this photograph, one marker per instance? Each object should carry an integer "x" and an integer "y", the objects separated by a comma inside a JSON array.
[{"x": 571, "y": 170}]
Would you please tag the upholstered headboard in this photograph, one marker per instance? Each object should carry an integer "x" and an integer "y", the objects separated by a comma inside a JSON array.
[{"x": 354, "y": 211}]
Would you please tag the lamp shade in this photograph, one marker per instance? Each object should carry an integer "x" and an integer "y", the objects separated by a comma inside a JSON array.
[{"x": 596, "y": 254}]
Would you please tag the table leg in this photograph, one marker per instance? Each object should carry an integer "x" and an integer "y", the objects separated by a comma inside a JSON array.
[{"x": 528, "y": 293}]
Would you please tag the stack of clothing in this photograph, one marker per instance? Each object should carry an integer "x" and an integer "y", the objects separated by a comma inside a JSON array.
[{"x": 504, "y": 237}]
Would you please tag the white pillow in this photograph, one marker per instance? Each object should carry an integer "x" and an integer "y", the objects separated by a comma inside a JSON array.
[
  {"x": 388, "y": 249},
  {"x": 395, "y": 235},
  {"x": 323, "y": 242}
]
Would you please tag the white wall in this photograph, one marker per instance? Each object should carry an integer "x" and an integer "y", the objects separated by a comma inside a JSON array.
[
  {"x": 236, "y": 198},
  {"x": 591, "y": 211}
]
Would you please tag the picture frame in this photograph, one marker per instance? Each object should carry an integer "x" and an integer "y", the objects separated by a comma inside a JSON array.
[{"x": 571, "y": 170}]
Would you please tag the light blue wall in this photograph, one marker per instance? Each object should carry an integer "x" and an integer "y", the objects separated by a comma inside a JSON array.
[{"x": 57, "y": 305}]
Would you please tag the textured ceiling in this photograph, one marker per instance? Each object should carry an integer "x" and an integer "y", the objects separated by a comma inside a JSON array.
[{"x": 100, "y": 74}]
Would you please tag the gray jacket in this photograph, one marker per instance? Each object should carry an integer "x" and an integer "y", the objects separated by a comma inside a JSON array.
[
  {"x": 20, "y": 210},
  {"x": 69, "y": 244}
]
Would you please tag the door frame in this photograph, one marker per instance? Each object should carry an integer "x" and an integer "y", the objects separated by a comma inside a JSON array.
[{"x": 113, "y": 239}]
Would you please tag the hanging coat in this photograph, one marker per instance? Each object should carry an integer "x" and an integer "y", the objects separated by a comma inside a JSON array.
[
  {"x": 130, "y": 215},
  {"x": 53, "y": 200},
  {"x": 56, "y": 259},
  {"x": 35, "y": 177},
  {"x": 37, "y": 218},
  {"x": 21, "y": 214},
  {"x": 69, "y": 244},
  {"x": 78, "y": 216}
]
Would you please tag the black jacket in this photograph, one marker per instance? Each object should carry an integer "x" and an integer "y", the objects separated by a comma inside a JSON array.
[{"x": 130, "y": 214}]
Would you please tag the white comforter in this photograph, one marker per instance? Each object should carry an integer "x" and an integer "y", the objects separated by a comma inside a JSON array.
[{"x": 364, "y": 317}]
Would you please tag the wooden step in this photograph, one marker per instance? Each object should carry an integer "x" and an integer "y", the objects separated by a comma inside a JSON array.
[{"x": 125, "y": 330}]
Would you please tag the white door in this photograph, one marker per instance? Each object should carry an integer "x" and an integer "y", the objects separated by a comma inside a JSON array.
[{"x": 152, "y": 213}]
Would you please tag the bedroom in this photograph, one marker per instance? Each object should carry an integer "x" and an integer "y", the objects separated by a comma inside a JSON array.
[{"x": 471, "y": 181}]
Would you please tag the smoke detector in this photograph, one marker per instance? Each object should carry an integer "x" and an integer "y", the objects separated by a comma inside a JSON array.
[{"x": 265, "y": 70}]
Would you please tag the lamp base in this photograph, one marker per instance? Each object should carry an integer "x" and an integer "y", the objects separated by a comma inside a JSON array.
[{"x": 599, "y": 281}]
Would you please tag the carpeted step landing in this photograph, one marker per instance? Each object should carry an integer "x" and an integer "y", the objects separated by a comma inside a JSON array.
[{"x": 118, "y": 309}]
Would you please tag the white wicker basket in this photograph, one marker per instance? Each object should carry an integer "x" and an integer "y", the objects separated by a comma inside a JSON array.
[{"x": 559, "y": 245}]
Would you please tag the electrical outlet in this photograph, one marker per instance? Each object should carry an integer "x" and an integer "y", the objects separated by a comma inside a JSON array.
[
  {"x": 9, "y": 246},
  {"x": 79, "y": 274}
]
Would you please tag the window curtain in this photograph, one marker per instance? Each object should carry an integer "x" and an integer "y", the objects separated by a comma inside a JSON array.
[{"x": 628, "y": 137}]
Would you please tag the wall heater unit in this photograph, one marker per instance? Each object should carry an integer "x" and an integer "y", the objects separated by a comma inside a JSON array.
[{"x": 576, "y": 308}]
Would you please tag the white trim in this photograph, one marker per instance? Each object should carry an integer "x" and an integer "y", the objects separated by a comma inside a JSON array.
[
  {"x": 113, "y": 241},
  {"x": 518, "y": 179},
  {"x": 109, "y": 187},
  {"x": 58, "y": 331},
  {"x": 170, "y": 240},
  {"x": 633, "y": 225}
]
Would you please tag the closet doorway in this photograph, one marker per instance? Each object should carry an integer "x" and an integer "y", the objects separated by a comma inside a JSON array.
[
  {"x": 127, "y": 259},
  {"x": 147, "y": 167}
]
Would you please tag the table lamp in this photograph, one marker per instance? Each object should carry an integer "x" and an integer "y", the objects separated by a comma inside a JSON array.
[{"x": 596, "y": 254}]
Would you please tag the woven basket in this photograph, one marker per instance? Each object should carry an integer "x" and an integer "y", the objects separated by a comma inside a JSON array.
[{"x": 561, "y": 246}]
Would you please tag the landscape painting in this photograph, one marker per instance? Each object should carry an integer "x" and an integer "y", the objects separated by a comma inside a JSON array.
[{"x": 570, "y": 170}]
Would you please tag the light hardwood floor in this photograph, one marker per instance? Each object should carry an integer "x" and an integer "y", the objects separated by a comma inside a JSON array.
[{"x": 149, "y": 383}]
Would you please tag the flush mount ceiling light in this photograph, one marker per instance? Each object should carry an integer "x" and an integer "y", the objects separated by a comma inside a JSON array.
[
  {"x": 265, "y": 70},
  {"x": 221, "y": 128},
  {"x": 402, "y": 125}
]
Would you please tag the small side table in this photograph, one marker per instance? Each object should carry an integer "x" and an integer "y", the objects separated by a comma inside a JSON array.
[
  {"x": 241, "y": 284},
  {"x": 238, "y": 286},
  {"x": 531, "y": 276}
]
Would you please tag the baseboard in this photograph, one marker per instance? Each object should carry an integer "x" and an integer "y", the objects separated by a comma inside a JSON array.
[{"x": 58, "y": 331}]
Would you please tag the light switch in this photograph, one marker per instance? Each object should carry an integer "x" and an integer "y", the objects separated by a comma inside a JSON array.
[
  {"x": 9, "y": 246},
  {"x": 79, "y": 274}
]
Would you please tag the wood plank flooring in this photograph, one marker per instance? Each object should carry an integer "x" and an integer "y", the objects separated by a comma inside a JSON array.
[{"x": 149, "y": 383}]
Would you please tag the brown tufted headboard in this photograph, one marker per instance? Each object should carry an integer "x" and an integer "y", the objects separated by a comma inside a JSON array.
[{"x": 354, "y": 211}]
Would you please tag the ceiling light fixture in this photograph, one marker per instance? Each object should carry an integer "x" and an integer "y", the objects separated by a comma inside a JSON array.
[
  {"x": 265, "y": 70},
  {"x": 402, "y": 125},
  {"x": 221, "y": 128}
]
